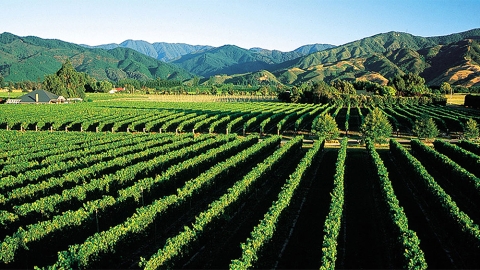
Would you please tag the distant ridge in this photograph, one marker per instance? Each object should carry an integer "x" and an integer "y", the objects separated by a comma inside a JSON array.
[
  {"x": 169, "y": 52},
  {"x": 162, "y": 51}
]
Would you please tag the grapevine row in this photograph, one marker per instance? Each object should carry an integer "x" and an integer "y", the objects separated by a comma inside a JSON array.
[
  {"x": 179, "y": 243},
  {"x": 441, "y": 198},
  {"x": 413, "y": 255},
  {"x": 70, "y": 219},
  {"x": 333, "y": 222},
  {"x": 264, "y": 231},
  {"x": 103, "y": 242}
]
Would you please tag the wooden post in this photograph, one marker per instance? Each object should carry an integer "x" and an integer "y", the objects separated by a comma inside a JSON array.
[
  {"x": 96, "y": 218},
  {"x": 96, "y": 129},
  {"x": 36, "y": 128},
  {"x": 144, "y": 130}
]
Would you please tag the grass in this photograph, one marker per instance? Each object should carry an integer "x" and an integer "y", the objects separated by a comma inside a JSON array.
[
  {"x": 456, "y": 99},
  {"x": 16, "y": 93}
]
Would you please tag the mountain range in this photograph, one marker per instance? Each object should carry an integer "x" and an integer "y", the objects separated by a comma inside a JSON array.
[
  {"x": 453, "y": 58},
  {"x": 163, "y": 51},
  {"x": 31, "y": 58}
]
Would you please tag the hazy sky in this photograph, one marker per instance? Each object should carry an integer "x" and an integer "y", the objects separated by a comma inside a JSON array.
[{"x": 270, "y": 24}]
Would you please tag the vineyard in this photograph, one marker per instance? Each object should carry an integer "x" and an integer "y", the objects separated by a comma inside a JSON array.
[
  {"x": 215, "y": 185},
  {"x": 226, "y": 117}
]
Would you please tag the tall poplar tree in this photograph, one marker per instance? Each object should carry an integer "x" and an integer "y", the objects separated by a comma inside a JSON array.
[{"x": 66, "y": 81}]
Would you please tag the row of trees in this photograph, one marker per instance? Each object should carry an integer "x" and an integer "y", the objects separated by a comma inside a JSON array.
[
  {"x": 377, "y": 128},
  {"x": 339, "y": 91},
  {"x": 70, "y": 83}
]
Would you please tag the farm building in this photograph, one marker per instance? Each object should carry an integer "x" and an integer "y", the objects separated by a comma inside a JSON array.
[{"x": 41, "y": 96}]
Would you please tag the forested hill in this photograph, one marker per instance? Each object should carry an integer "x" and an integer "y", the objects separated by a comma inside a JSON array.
[
  {"x": 227, "y": 59},
  {"x": 163, "y": 51},
  {"x": 377, "y": 58},
  {"x": 379, "y": 44},
  {"x": 31, "y": 58},
  {"x": 452, "y": 58},
  {"x": 231, "y": 59}
]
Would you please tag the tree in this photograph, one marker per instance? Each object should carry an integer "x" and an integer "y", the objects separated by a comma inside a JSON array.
[
  {"x": 398, "y": 83},
  {"x": 295, "y": 94},
  {"x": 213, "y": 90},
  {"x": 409, "y": 84},
  {"x": 387, "y": 91},
  {"x": 425, "y": 128},
  {"x": 445, "y": 88},
  {"x": 66, "y": 82},
  {"x": 471, "y": 130},
  {"x": 376, "y": 127},
  {"x": 91, "y": 85},
  {"x": 326, "y": 127},
  {"x": 129, "y": 88},
  {"x": 104, "y": 86},
  {"x": 196, "y": 81},
  {"x": 344, "y": 87},
  {"x": 263, "y": 90},
  {"x": 322, "y": 92}
]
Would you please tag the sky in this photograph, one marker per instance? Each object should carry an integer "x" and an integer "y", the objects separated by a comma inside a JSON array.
[{"x": 270, "y": 24}]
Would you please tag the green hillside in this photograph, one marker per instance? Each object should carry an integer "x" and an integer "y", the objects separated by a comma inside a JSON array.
[
  {"x": 230, "y": 59},
  {"x": 163, "y": 51},
  {"x": 31, "y": 58},
  {"x": 453, "y": 58},
  {"x": 380, "y": 43}
]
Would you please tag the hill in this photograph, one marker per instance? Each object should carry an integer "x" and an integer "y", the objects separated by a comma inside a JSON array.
[
  {"x": 452, "y": 58},
  {"x": 31, "y": 58},
  {"x": 228, "y": 59},
  {"x": 381, "y": 56},
  {"x": 379, "y": 44},
  {"x": 231, "y": 59},
  {"x": 162, "y": 51}
]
